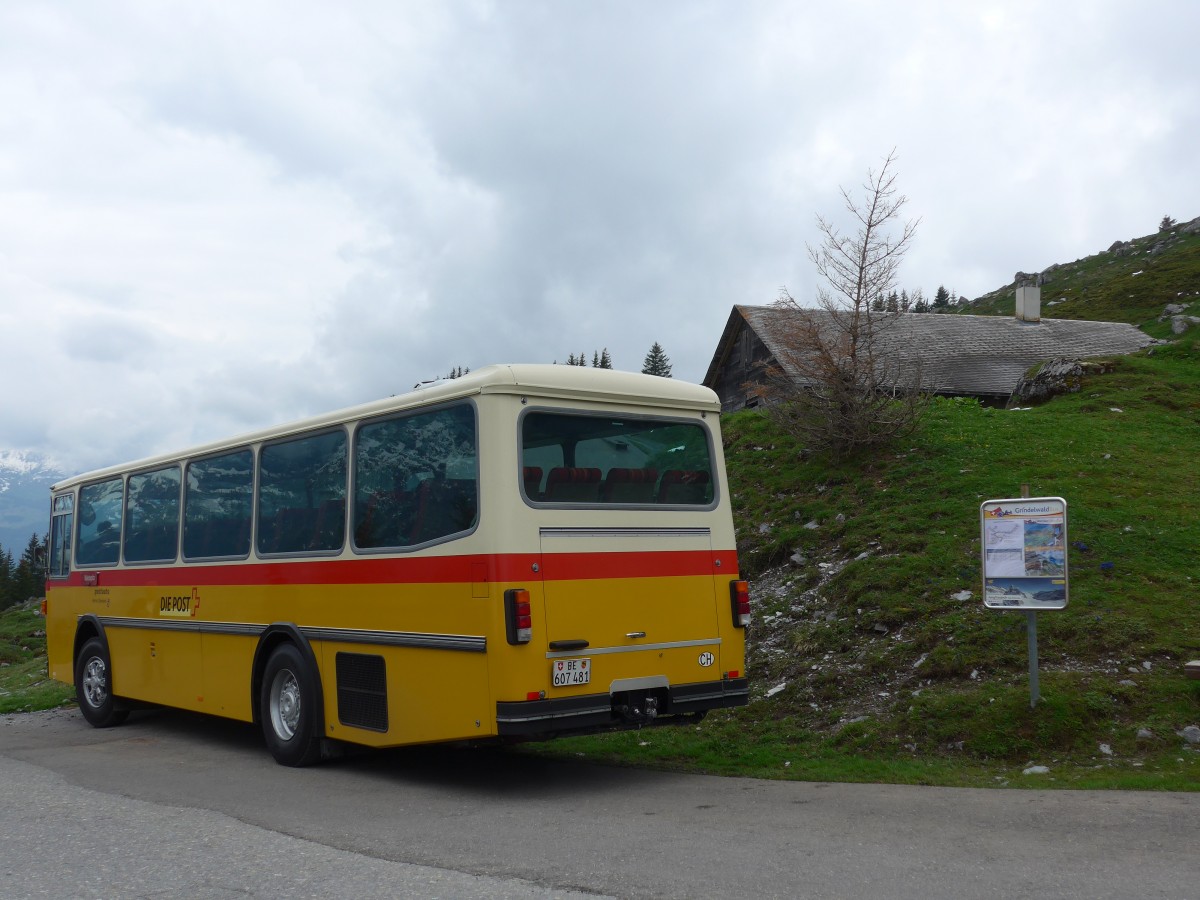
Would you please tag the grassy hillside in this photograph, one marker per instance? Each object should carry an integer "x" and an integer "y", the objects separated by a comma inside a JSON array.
[
  {"x": 1130, "y": 283},
  {"x": 870, "y": 660},
  {"x": 23, "y": 681}
]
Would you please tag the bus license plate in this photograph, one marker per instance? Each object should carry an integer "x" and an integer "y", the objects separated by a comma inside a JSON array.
[{"x": 570, "y": 672}]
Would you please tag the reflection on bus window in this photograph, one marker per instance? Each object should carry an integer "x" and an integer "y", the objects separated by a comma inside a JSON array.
[
  {"x": 99, "y": 541},
  {"x": 415, "y": 479},
  {"x": 600, "y": 460},
  {"x": 302, "y": 494},
  {"x": 152, "y": 516},
  {"x": 216, "y": 506}
]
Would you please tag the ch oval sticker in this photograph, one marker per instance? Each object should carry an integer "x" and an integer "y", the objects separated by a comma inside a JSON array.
[{"x": 706, "y": 660}]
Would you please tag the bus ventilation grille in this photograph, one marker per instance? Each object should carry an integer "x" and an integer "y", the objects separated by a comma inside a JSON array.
[{"x": 362, "y": 691}]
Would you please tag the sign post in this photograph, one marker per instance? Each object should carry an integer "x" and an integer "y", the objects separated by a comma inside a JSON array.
[
  {"x": 1035, "y": 693},
  {"x": 1024, "y": 562}
]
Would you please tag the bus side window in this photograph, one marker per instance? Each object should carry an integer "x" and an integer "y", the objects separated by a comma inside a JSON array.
[
  {"x": 302, "y": 494},
  {"x": 218, "y": 495},
  {"x": 152, "y": 516},
  {"x": 415, "y": 478},
  {"x": 99, "y": 542},
  {"x": 61, "y": 522}
]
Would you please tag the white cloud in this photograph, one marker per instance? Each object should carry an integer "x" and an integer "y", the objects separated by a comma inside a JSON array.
[{"x": 218, "y": 217}]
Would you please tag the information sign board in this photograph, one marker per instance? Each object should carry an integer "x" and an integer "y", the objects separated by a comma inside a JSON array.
[{"x": 1024, "y": 545}]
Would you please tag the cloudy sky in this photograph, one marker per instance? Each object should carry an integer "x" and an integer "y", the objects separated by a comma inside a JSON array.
[{"x": 215, "y": 217}]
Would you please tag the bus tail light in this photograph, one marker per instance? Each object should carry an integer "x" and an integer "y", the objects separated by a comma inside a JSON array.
[
  {"x": 518, "y": 620},
  {"x": 739, "y": 599}
]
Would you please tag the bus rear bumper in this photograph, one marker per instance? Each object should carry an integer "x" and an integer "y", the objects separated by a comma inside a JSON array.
[{"x": 597, "y": 712}]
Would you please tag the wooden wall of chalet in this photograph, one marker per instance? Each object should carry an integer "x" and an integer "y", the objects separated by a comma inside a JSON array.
[{"x": 744, "y": 363}]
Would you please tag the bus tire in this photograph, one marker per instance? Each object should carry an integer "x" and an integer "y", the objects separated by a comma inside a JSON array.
[
  {"x": 93, "y": 686},
  {"x": 287, "y": 707}
]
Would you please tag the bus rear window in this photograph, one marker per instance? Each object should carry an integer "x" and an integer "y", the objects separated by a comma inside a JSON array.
[{"x": 611, "y": 460}]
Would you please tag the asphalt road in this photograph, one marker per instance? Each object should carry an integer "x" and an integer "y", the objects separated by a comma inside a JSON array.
[{"x": 172, "y": 804}]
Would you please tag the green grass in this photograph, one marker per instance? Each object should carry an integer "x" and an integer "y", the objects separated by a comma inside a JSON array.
[
  {"x": 1132, "y": 286},
  {"x": 24, "y": 685},
  {"x": 888, "y": 677}
]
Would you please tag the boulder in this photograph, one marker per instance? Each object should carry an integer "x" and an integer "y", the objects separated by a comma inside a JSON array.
[
  {"x": 1058, "y": 376},
  {"x": 1180, "y": 324}
]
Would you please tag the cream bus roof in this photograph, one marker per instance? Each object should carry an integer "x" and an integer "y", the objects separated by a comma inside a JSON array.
[{"x": 526, "y": 379}]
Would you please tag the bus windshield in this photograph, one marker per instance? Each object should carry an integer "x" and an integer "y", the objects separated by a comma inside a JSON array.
[{"x": 604, "y": 459}]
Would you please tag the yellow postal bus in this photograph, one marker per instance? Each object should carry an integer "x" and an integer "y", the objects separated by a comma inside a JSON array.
[{"x": 521, "y": 552}]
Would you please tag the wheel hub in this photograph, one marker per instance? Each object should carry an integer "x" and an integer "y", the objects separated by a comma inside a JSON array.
[
  {"x": 285, "y": 704},
  {"x": 95, "y": 682}
]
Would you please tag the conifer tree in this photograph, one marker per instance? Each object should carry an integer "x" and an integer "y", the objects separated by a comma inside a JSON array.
[
  {"x": 657, "y": 362},
  {"x": 7, "y": 596},
  {"x": 941, "y": 299},
  {"x": 605, "y": 359}
]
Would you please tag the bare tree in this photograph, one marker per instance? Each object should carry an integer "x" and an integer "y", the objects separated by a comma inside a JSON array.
[{"x": 842, "y": 378}]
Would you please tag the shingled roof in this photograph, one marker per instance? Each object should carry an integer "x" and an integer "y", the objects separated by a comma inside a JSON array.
[{"x": 982, "y": 356}]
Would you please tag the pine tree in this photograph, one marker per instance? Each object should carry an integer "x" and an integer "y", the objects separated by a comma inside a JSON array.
[
  {"x": 7, "y": 597},
  {"x": 941, "y": 299},
  {"x": 657, "y": 362},
  {"x": 605, "y": 359},
  {"x": 1166, "y": 224},
  {"x": 29, "y": 577}
]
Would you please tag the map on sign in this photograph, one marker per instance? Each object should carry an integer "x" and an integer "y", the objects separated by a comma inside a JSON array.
[{"x": 1024, "y": 553}]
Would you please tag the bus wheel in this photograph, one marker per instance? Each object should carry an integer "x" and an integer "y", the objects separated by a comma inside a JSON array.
[
  {"x": 287, "y": 707},
  {"x": 93, "y": 686}
]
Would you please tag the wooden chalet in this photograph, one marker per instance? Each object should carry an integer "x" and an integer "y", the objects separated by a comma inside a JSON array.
[{"x": 959, "y": 355}]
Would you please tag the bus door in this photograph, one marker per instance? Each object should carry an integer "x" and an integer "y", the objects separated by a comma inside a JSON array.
[{"x": 637, "y": 603}]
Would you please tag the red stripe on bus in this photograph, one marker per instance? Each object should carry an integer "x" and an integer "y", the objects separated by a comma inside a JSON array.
[{"x": 507, "y": 568}]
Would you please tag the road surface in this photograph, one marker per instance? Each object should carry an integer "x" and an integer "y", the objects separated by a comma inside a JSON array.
[{"x": 173, "y": 804}]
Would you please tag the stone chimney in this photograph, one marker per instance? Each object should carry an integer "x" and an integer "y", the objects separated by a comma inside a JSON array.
[{"x": 1029, "y": 303}]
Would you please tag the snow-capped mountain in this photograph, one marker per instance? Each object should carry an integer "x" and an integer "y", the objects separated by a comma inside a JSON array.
[{"x": 25, "y": 480}]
